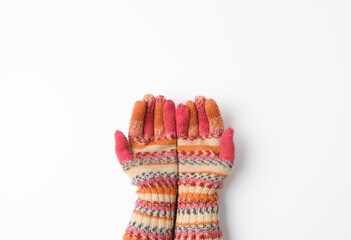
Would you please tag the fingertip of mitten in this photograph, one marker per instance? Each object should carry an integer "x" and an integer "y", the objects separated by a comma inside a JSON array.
[{"x": 160, "y": 99}]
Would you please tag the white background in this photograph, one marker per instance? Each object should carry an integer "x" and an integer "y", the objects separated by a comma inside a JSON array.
[{"x": 71, "y": 70}]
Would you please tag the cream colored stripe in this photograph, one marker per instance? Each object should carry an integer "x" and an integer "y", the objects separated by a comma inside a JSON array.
[
  {"x": 197, "y": 189},
  {"x": 157, "y": 197},
  {"x": 154, "y": 148},
  {"x": 145, "y": 168},
  {"x": 147, "y": 221},
  {"x": 205, "y": 217},
  {"x": 208, "y": 142},
  {"x": 159, "y": 142}
]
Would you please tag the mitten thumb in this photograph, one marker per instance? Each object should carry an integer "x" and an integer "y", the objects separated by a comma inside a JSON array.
[
  {"x": 122, "y": 148},
  {"x": 227, "y": 149}
]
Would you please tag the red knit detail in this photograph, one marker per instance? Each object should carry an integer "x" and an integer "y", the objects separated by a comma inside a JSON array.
[
  {"x": 122, "y": 148},
  {"x": 169, "y": 117},
  {"x": 182, "y": 120},
  {"x": 198, "y": 154},
  {"x": 164, "y": 181},
  {"x": 227, "y": 145},
  {"x": 149, "y": 100},
  {"x": 140, "y": 155},
  {"x": 146, "y": 140}
]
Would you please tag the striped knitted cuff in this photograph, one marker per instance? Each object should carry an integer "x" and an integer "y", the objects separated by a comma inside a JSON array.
[
  {"x": 154, "y": 212},
  {"x": 153, "y": 215},
  {"x": 197, "y": 207}
]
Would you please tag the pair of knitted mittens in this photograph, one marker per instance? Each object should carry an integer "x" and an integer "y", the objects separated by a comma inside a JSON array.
[{"x": 178, "y": 159}]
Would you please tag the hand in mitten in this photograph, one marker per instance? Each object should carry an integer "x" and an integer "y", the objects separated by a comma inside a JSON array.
[
  {"x": 149, "y": 158},
  {"x": 205, "y": 158}
]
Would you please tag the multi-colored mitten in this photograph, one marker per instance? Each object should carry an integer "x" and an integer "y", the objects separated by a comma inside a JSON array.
[
  {"x": 149, "y": 158},
  {"x": 205, "y": 158}
]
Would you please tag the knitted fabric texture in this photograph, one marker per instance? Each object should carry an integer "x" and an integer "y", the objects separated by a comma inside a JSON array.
[
  {"x": 205, "y": 158},
  {"x": 149, "y": 158}
]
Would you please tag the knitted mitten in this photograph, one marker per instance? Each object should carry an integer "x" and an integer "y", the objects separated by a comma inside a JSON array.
[
  {"x": 149, "y": 158},
  {"x": 205, "y": 158}
]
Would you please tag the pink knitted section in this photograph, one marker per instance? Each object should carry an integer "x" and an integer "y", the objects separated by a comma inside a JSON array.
[
  {"x": 140, "y": 235},
  {"x": 203, "y": 235},
  {"x": 122, "y": 148},
  {"x": 169, "y": 117},
  {"x": 182, "y": 120},
  {"x": 227, "y": 145}
]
